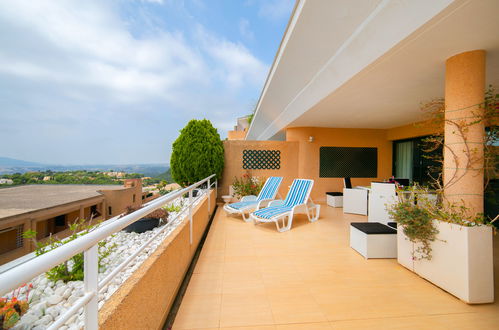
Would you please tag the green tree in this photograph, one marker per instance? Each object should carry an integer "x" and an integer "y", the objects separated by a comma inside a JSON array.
[{"x": 197, "y": 153}]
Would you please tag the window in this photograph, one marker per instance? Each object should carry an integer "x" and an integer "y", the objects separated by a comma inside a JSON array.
[
  {"x": 60, "y": 221},
  {"x": 94, "y": 212},
  {"x": 133, "y": 198},
  {"x": 110, "y": 210},
  {"x": 411, "y": 161},
  {"x": 11, "y": 238}
]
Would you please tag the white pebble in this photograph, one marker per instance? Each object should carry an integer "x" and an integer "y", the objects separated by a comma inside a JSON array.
[
  {"x": 60, "y": 290},
  {"x": 67, "y": 293},
  {"x": 53, "y": 311},
  {"x": 54, "y": 299},
  {"x": 45, "y": 320}
]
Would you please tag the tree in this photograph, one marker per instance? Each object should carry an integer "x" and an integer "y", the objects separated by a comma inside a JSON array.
[{"x": 197, "y": 153}]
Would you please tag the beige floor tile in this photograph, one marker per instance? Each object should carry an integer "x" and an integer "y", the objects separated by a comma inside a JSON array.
[
  {"x": 245, "y": 310},
  {"x": 309, "y": 278},
  {"x": 290, "y": 307},
  {"x": 305, "y": 326},
  {"x": 199, "y": 311},
  {"x": 213, "y": 264},
  {"x": 465, "y": 321},
  {"x": 253, "y": 327},
  {"x": 205, "y": 283}
]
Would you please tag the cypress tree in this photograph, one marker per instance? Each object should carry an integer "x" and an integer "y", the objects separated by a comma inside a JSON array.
[{"x": 197, "y": 153}]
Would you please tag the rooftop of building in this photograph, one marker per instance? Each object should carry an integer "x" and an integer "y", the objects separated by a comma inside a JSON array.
[{"x": 28, "y": 198}]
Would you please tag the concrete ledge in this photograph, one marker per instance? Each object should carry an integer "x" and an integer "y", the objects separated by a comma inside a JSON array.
[{"x": 144, "y": 300}]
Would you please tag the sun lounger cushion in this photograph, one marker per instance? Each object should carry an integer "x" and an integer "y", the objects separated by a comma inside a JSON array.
[{"x": 240, "y": 205}]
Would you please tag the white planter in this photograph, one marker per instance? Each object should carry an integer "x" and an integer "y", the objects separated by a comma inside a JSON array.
[{"x": 461, "y": 264}]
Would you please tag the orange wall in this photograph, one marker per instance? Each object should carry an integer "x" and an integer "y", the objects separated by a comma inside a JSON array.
[
  {"x": 308, "y": 154},
  {"x": 234, "y": 163},
  {"x": 236, "y": 135},
  {"x": 411, "y": 131},
  {"x": 300, "y": 158}
]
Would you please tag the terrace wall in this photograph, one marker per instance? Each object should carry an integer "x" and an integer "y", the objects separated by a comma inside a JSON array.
[
  {"x": 144, "y": 300},
  {"x": 234, "y": 162},
  {"x": 308, "y": 154},
  {"x": 300, "y": 158}
]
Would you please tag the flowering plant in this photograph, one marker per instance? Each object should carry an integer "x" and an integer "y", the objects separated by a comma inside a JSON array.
[
  {"x": 11, "y": 309},
  {"x": 247, "y": 185}
]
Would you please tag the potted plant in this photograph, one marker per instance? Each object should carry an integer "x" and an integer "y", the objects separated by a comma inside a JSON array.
[
  {"x": 246, "y": 185},
  {"x": 443, "y": 240},
  {"x": 445, "y": 245},
  {"x": 149, "y": 222}
]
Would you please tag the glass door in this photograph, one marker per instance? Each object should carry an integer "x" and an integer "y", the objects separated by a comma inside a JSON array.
[{"x": 403, "y": 160}]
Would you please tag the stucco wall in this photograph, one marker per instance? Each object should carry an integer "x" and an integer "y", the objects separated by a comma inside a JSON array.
[
  {"x": 411, "y": 131},
  {"x": 234, "y": 162},
  {"x": 308, "y": 154},
  {"x": 144, "y": 300},
  {"x": 236, "y": 135},
  {"x": 300, "y": 158}
]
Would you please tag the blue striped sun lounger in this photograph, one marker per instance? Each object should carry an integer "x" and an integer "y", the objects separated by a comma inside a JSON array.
[
  {"x": 297, "y": 200},
  {"x": 250, "y": 203}
]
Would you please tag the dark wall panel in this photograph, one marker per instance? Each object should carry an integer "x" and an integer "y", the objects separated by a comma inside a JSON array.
[{"x": 348, "y": 162}]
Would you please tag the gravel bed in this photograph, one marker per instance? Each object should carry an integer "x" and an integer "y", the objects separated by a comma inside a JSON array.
[{"x": 50, "y": 299}]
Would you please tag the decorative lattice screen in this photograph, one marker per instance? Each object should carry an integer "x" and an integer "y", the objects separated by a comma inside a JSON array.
[
  {"x": 348, "y": 162},
  {"x": 261, "y": 159}
]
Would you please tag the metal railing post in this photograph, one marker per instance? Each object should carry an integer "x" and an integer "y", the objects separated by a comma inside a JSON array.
[
  {"x": 190, "y": 216},
  {"x": 216, "y": 188},
  {"x": 209, "y": 195},
  {"x": 91, "y": 285}
]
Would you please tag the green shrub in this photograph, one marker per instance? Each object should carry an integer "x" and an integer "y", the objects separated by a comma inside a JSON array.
[
  {"x": 173, "y": 208},
  {"x": 197, "y": 153},
  {"x": 72, "y": 269},
  {"x": 247, "y": 185}
]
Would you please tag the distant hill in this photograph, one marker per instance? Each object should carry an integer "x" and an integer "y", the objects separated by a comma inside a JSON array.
[
  {"x": 11, "y": 166},
  {"x": 11, "y": 162}
]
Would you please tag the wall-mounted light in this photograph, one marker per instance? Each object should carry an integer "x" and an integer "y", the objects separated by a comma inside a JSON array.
[{"x": 311, "y": 139}]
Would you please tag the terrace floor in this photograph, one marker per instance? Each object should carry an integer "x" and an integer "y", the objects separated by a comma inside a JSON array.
[{"x": 252, "y": 277}]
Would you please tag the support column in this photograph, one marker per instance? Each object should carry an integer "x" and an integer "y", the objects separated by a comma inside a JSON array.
[{"x": 463, "y": 161}]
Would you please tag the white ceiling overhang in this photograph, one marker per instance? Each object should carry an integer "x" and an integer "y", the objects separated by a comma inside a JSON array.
[{"x": 369, "y": 64}]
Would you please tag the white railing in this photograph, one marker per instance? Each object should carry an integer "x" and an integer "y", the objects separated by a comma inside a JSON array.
[{"x": 25, "y": 272}]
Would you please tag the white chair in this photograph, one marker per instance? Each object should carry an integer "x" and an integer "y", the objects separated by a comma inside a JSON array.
[
  {"x": 297, "y": 201},
  {"x": 354, "y": 199},
  {"x": 249, "y": 203},
  {"x": 381, "y": 197}
]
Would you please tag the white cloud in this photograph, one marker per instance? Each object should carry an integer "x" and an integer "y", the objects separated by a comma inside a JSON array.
[
  {"x": 275, "y": 9},
  {"x": 245, "y": 30},
  {"x": 90, "y": 46},
  {"x": 236, "y": 64},
  {"x": 72, "y": 73}
]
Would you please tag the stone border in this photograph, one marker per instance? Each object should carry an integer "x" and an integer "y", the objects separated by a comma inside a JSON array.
[{"x": 144, "y": 300}]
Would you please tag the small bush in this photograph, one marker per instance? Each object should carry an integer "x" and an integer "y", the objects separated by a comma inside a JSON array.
[
  {"x": 157, "y": 214},
  {"x": 72, "y": 269},
  {"x": 247, "y": 185},
  {"x": 197, "y": 153}
]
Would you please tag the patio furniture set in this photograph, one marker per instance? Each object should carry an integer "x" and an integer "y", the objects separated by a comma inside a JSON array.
[
  {"x": 376, "y": 238},
  {"x": 264, "y": 208}
]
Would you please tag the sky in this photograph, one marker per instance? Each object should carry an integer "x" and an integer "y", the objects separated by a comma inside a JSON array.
[{"x": 114, "y": 81}]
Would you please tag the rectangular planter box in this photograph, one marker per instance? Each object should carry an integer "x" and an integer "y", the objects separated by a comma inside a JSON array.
[{"x": 461, "y": 264}]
